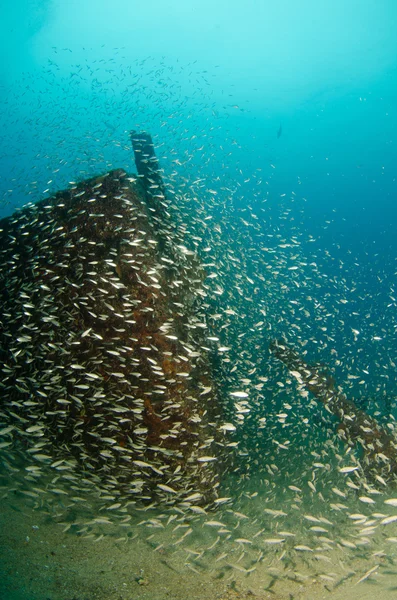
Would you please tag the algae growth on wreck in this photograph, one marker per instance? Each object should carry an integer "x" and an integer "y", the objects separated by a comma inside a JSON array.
[{"x": 102, "y": 366}]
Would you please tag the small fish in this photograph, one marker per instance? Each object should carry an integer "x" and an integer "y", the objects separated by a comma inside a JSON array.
[
  {"x": 348, "y": 469},
  {"x": 368, "y": 574}
]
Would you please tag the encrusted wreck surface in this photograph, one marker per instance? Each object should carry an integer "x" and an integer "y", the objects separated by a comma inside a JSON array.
[{"x": 102, "y": 367}]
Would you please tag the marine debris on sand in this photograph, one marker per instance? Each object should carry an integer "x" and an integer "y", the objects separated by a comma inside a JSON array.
[
  {"x": 355, "y": 426},
  {"x": 101, "y": 343}
]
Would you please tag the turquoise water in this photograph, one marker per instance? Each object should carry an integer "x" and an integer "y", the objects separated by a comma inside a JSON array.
[{"x": 274, "y": 126}]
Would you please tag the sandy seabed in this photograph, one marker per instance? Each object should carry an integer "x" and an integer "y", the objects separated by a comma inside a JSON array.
[{"x": 41, "y": 561}]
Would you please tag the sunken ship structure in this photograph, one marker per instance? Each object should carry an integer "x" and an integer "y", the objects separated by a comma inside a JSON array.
[
  {"x": 104, "y": 368},
  {"x": 356, "y": 428}
]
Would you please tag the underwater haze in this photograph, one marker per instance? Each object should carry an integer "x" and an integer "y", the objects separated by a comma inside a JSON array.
[{"x": 198, "y": 397}]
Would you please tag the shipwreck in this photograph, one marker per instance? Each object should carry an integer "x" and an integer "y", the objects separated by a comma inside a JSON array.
[{"x": 103, "y": 370}]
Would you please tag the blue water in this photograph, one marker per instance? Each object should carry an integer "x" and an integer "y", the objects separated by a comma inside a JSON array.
[{"x": 77, "y": 75}]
